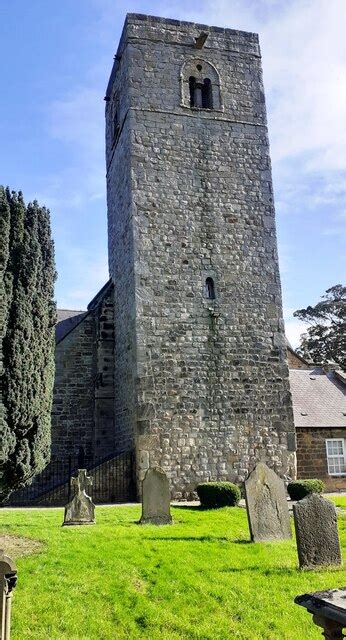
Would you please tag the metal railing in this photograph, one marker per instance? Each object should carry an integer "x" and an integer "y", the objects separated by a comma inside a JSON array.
[{"x": 113, "y": 481}]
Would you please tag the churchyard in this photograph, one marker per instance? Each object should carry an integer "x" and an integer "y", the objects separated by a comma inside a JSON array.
[{"x": 199, "y": 578}]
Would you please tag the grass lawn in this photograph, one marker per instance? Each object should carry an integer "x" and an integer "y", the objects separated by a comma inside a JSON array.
[
  {"x": 339, "y": 501},
  {"x": 198, "y": 579}
]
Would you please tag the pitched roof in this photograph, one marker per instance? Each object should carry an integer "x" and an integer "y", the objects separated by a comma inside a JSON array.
[
  {"x": 318, "y": 398},
  {"x": 66, "y": 321}
]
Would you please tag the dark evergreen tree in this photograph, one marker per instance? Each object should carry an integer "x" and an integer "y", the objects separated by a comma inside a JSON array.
[
  {"x": 7, "y": 439},
  {"x": 28, "y": 343},
  {"x": 326, "y": 337}
]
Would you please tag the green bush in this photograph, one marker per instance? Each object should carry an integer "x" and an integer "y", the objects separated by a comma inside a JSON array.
[
  {"x": 301, "y": 488},
  {"x": 214, "y": 495}
]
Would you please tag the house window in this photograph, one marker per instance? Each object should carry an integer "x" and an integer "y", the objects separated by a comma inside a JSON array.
[
  {"x": 209, "y": 289},
  {"x": 336, "y": 457}
]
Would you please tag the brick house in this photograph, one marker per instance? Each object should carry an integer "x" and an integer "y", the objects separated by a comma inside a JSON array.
[{"x": 319, "y": 408}]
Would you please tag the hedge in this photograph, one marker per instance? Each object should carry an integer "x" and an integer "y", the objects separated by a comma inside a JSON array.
[
  {"x": 301, "y": 488},
  {"x": 214, "y": 495}
]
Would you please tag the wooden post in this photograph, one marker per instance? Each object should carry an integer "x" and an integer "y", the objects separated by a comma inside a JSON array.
[{"x": 8, "y": 579}]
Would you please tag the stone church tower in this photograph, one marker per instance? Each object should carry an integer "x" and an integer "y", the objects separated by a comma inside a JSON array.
[{"x": 201, "y": 378}]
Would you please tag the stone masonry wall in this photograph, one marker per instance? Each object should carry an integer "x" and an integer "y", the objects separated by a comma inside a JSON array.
[
  {"x": 105, "y": 438},
  {"x": 73, "y": 400},
  {"x": 210, "y": 377},
  {"x": 294, "y": 362},
  {"x": 121, "y": 252},
  {"x": 312, "y": 457},
  {"x": 83, "y": 403}
]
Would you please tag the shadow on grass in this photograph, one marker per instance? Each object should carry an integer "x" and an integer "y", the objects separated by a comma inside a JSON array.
[
  {"x": 189, "y": 538},
  {"x": 199, "y": 507},
  {"x": 191, "y": 507},
  {"x": 279, "y": 571}
]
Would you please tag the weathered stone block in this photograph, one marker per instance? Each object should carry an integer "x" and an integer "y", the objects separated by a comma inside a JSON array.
[
  {"x": 317, "y": 535},
  {"x": 156, "y": 498},
  {"x": 81, "y": 509},
  {"x": 266, "y": 505}
]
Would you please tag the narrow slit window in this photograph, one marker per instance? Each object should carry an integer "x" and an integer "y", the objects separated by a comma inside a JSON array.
[
  {"x": 210, "y": 289},
  {"x": 116, "y": 125}
]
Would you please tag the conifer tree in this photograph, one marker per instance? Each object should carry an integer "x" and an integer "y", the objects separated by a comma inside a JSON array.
[{"x": 27, "y": 340}]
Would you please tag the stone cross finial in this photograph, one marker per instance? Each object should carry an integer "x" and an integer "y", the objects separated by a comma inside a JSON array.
[{"x": 8, "y": 579}]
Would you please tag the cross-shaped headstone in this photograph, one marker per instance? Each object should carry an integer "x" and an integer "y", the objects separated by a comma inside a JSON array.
[
  {"x": 81, "y": 508},
  {"x": 82, "y": 482}
]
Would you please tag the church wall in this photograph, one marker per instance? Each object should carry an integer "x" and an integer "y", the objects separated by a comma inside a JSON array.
[
  {"x": 121, "y": 255},
  {"x": 73, "y": 400},
  {"x": 212, "y": 394},
  {"x": 105, "y": 435}
]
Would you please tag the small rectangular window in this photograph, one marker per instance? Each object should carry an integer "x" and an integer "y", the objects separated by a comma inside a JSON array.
[{"x": 336, "y": 457}]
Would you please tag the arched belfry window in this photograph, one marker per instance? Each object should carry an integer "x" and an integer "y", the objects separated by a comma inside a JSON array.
[
  {"x": 209, "y": 289},
  {"x": 201, "y": 93},
  {"x": 200, "y": 85}
]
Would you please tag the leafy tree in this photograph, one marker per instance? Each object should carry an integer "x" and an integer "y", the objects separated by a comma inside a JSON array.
[
  {"x": 325, "y": 338},
  {"x": 27, "y": 275}
]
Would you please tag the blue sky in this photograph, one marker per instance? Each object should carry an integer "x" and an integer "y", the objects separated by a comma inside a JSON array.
[{"x": 56, "y": 59}]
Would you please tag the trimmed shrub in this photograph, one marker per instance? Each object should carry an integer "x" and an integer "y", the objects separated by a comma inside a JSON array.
[
  {"x": 214, "y": 495},
  {"x": 301, "y": 488}
]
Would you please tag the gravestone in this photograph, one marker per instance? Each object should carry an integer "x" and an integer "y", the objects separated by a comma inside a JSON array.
[
  {"x": 156, "y": 497},
  {"x": 317, "y": 532},
  {"x": 8, "y": 579},
  {"x": 81, "y": 509},
  {"x": 266, "y": 505}
]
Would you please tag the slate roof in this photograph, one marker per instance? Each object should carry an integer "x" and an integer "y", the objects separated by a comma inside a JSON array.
[
  {"x": 319, "y": 399},
  {"x": 66, "y": 321}
]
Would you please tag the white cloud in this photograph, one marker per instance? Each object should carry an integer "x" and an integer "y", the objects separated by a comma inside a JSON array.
[
  {"x": 304, "y": 58},
  {"x": 294, "y": 328}
]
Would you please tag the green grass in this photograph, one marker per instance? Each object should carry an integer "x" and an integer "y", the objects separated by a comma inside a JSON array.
[
  {"x": 339, "y": 501},
  {"x": 198, "y": 579}
]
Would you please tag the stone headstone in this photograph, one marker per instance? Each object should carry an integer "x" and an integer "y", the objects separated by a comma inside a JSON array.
[
  {"x": 156, "y": 497},
  {"x": 266, "y": 505},
  {"x": 81, "y": 509},
  {"x": 317, "y": 532}
]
